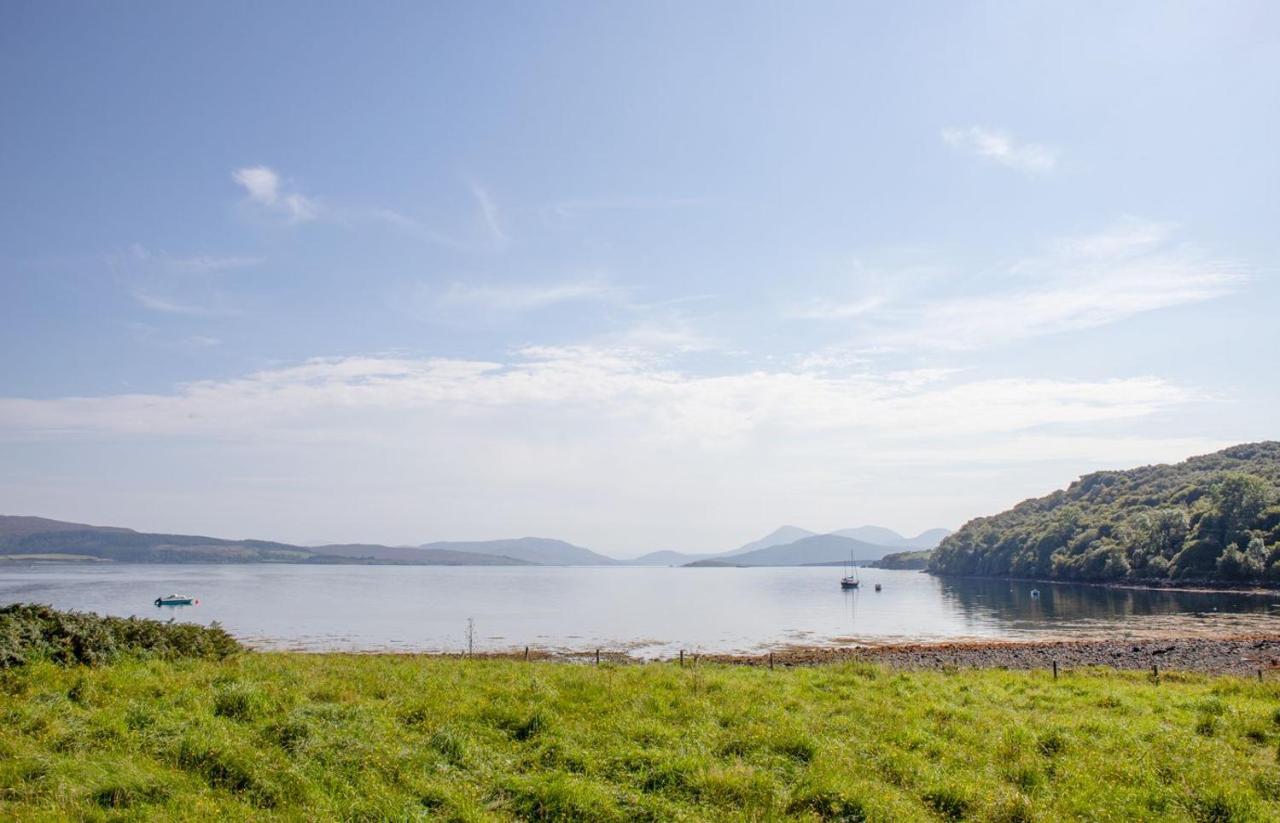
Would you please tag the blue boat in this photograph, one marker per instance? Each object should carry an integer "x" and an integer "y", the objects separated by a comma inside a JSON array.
[{"x": 176, "y": 600}]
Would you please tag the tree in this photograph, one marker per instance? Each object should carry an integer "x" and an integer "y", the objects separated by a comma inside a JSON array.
[
  {"x": 1231, "y": 564},
  {"x": 1255, "y": 558},
  {"x": 1239, "y": 499}
]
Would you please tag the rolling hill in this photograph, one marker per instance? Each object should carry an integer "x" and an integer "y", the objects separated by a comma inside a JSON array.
[
  {"x": 1215, "y": 517},
  {"x": 888, "y": 537},
  {"x": 876, "y": 541},
  {"x": 538, "y": 550},
  {"x": 373, "y": 552},
  {"x": 50, "y": 539},
  {"x": 819, "y": 548},
  {"x": 667, "y": 557},
  {"x": 778, "y": 537}
]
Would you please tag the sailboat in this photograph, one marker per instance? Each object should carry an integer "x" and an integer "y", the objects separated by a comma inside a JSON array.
[{"x": 850, "y": 580}]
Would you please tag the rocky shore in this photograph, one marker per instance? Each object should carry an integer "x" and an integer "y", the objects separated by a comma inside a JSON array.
[{"x": 1240, "y": 655}]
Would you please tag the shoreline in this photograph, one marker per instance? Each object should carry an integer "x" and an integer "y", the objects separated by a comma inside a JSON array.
[
  {"x": 1249, "y": 654},
  {"x": 1239, "y": 654},
  {"x": 1196, "y": 586}
]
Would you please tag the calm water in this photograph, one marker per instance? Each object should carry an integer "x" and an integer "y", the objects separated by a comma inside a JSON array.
[{"x": 645, "y": 611}]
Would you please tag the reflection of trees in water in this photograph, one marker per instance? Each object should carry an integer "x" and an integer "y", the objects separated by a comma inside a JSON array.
[{"x": 1012, "y": 600}]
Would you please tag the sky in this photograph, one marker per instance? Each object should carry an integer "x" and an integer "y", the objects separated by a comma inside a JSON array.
[{"x": 637, "y": 276}]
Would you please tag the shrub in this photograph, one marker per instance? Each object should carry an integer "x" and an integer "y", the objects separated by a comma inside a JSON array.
[{"x": 32, "y": 632}]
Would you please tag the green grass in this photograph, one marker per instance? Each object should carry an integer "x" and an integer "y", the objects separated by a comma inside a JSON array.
[{"x": 289, "y": 736}]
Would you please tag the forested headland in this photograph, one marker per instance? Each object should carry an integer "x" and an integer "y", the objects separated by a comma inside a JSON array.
[{"x": 1212, "y": 518}]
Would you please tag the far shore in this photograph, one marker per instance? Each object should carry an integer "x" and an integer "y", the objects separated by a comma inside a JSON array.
[{"x": 1268, "y": 588}]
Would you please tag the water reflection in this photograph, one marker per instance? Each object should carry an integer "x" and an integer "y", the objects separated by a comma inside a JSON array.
[{"x": 1065, "y": 605}]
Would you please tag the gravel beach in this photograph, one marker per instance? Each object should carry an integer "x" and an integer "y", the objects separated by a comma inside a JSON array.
[{"x": 1241, "y": 655}]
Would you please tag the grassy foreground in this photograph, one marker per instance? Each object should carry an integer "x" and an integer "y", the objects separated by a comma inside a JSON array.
[{"x": 293, "y": 736}]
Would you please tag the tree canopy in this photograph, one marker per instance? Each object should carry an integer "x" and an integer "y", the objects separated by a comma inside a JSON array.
[{"x": 1211, "y": 518}]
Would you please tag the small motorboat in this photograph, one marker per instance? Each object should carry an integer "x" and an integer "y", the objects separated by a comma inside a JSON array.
[
  {"x": 877, "y": 587},
  {"x": 176, "y": 600},
  {"x": 1035, "y": 594}
]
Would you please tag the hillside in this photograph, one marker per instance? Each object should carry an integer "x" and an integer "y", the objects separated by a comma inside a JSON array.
[
  {"x": 34, "y": 535},
  {"x": 12, "y": 527},
  {"x": 820, "y": 548},
  {"x": 371, "y": 552},
  {"x": 667, "y": 557},
  {"x": 914, "y": 560},
  {"x": 1211, "y": 518},
  {"x": 881, "y": 536},
  {"x": 778, "y": 537},
  {"x": 50, "y": 539},
  {"x": 539, "y": 550}
]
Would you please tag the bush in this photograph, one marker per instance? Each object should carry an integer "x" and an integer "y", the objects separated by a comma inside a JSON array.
[{"x": 31, "y": 632}]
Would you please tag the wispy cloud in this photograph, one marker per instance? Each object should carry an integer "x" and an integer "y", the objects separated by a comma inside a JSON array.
[
  {"x": 205, "y": 264},
  {"x": 837, "y": 310},
  {"x": 489, "y": 215},
  {"x": 588, "y": 442},
  {"x": 589, "y": 205},
  {"x": 262, "y": 185},
  {"x": 1132, "y": 267},
  {"x": 1000, "y": 147},
  {"x": 162, "y": 262},
  {"x": 190, "y": 285},
  {"x": 603, "y": 385},
  {"x": 170, "y": 305},
  {"x": 663, "y": 333},
  {"x": 527, "y": 297}
]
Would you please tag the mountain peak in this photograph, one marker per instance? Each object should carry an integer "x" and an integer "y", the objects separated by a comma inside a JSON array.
[{"x": 777, "y": 537}]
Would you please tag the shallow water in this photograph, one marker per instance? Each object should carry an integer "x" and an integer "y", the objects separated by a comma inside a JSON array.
[{"x": 643, "y": 611}]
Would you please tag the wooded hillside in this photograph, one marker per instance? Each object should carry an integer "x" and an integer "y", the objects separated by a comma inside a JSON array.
[{"x": 1213, "y": 517}]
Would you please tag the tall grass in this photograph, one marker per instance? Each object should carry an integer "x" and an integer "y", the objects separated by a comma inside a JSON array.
[{"x": 289, "y": 736}]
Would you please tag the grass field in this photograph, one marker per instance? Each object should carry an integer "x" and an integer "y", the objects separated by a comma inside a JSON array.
[{"x": 292, "y": 736}]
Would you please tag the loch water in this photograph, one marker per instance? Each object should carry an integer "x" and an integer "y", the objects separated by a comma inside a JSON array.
[{"x": 643, "y": 611}]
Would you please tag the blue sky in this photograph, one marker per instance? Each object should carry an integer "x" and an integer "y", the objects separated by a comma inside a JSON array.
[{"x": 635, "y": 275}]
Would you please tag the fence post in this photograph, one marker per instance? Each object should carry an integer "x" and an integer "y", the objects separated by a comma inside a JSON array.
[
  {"x": 1259, "y": 675},
  {"x": 526, "y": 653},
  {"x": 682, "y": 658},
  {"x": 1055, "y": 670},
  {"x": 1155, "y": 672},
  {"x": 770, "y": 661},
  {"x": 597, "y": 657}
]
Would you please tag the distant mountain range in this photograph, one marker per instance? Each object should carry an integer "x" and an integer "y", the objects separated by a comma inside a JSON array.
[
  {"x": 811, "y": 551},
  {"x": 538, "y": 550},
  {"x": 778, "y": 537},
  {"x": 38, "y": 538},
  {"x": 794, "y": 546}
]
